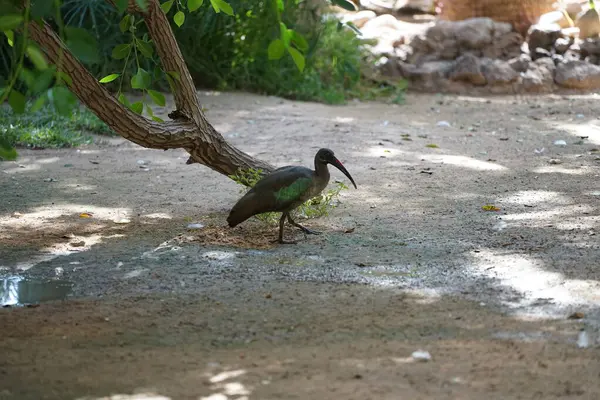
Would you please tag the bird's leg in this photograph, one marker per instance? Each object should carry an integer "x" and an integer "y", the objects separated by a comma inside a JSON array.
[
  {"x": 281, "y": 223},
  {"x": 304, "y": 229}
]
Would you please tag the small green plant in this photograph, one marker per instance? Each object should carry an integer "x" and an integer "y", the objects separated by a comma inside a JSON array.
[
  {"x": 46, "y": 128},
  {"x": 316, "y": 207}
]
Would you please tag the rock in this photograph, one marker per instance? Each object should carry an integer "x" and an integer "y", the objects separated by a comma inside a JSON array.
[
  {"x": 429, "y": 74},
  {"x": 388, "y": 66},
  {"x": 578, "y": 75},
  {"x": 571, "y": 55},
  {"x": 359, "y": 18},
  {"x": 521, "y": 63},
  {"x": 593, "y": 59},
  {"x": 539, "y": 77},
  {"x": 562, "y": 44},
  {"x": 504, "y": 47},
  {"x": 556, "y": 58},
  {"x": 590, "y": 47},
  {"x": 497, "y": 72},
  {"x": 467, "y": 68},
  {"x": 425, "y": 6},
  {"x": 545, "y": 63},
  {"x": 540, "y": 53},
  {"x": 588, "y": 23},
  {"x": 543, "y": 36},
  {"x": 474, "y": 33}
]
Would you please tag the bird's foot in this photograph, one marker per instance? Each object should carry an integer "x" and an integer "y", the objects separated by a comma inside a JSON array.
[{"x": 306, "y": 230}]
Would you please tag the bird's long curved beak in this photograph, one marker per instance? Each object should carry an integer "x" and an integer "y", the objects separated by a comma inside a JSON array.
[{"x": 338, "y": 164}]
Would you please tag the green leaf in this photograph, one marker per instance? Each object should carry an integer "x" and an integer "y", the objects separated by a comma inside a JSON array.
[
  {"x": 221, "y": 5},
  {"x": 276, "y": 49},
  {"x": 171, "y": 83},
  {"x": 157, "y": 119},
  {"x": 179, "y": 18},
  {"x": 286, "y": 35},
  {"x": 157, "y": 97},
  {"x": 10, "y": 38},
  {"x": 41, "y": 8},
  {"x": 43, "y": 80},
  {"x": 174, "y": 75},
  {"x": 299, "y": 41},
  {"x": 142, "y": 4},
  {"x": 122, "y": 5},
  {"x": 298, "y": 58},
  {"x": 351, "y": 25},
  {"x": 123, "y": 100},
  {"x": 125, "y": 23},
  {"x": 66, "y": 78},
  {"x": 345, "y": 4},
  {"x": 63, "y": 100},
  {"x": 280, "y": 5},
  {"x": 7, "y": 151},
  {"x": 193, "y": 5},
  {"x": 109, "y": 78},
  {"x": 137, "y": 107},
  {"x": 121, "y": 51},
  {"x": 38, "y": 104},
  {"x": 36, "y": 57},
  {"x": 144, "y": 47},
  {"x": 82, "y": 44},
  {"x": 9, "y": 22},
  {"x": 166, "y": 6},
  {"x": 16, "y": 101},
  {"x": 141, "y": 80}
]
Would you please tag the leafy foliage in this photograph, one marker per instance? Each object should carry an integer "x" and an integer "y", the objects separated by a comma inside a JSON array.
[
  {"x": 274, "y": 46},
  {"x": 316, "y": 207},
  {"x": 46, "y": 128}
]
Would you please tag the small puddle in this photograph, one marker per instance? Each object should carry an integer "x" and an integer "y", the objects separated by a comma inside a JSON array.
[{"x": 18, "y": 290}]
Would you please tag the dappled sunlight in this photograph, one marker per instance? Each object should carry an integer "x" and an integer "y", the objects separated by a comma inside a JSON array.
[
  {"x": 534, "y": 197},
  {"x": 343, "y": 120},
  {"x": 463, "y": 161},
  {"x": 223, "y": 127},
  {"x": 589, "y": 129},
  {"x": 527, "y": 275},
  {"x": 550, "y": 169},
  {"x": 136, "y": 396},
  {"x": 225, "y": 389},
  {"x": 550, "y": 216},
  {"x": 40, "y": 216}
]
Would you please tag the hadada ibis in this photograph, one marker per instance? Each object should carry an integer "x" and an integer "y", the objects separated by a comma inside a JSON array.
[{"x": 285, "y": 189}]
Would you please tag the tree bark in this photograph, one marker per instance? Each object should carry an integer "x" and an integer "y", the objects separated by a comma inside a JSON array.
[{"x": 190, "y": 130}]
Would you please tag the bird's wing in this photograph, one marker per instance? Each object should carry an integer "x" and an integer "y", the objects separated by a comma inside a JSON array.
[
  {"x": 284, "y": 186},
  {"x": 277, "y": 191}
]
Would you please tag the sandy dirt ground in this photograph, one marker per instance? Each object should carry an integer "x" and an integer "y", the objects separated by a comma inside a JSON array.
[{"x": 504, "y": 299}]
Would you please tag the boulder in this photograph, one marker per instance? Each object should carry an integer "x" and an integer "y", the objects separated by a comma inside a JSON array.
[
  {"x": 537, "y": 79},
  {"x": 474, "y": 33},
  {"x": 562, "y": 44},
  {"x": 467, "y": 68},
  {"x": 504, "y": 47},
  {"x": 590, "y": 47},
  {"x": 543, "y": 36},
  {"x": 578, "y": 75},
  {"x": 498, "y": 72},
  {"x": 521, "y": 63},
  {"x": 540, "y": 53}
]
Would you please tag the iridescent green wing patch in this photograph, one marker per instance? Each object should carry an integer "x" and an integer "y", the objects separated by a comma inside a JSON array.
[{"x": 294, "y": 191}]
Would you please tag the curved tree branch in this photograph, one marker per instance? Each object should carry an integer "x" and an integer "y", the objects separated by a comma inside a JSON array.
[{"x": 190, "y": 131}]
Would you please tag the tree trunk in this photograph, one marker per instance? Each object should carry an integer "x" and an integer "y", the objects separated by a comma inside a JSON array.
[{"x": 188, "y": 130}]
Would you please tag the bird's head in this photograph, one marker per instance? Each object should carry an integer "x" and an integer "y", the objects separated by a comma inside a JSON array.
[{"x": 326, "y": 156}]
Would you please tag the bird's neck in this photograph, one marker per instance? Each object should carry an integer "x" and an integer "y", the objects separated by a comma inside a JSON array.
[{"x": 322, "y": 171}]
